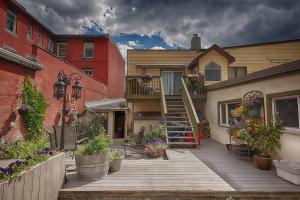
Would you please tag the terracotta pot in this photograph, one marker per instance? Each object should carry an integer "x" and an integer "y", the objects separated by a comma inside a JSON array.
[{"x": 263, "y": 163}]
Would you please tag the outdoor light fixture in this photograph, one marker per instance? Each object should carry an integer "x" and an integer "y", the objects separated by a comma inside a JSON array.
[{"x": 60, "y": 90}]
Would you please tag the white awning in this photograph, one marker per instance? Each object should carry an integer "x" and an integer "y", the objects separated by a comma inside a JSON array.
[{"x": 106, "y": 105}]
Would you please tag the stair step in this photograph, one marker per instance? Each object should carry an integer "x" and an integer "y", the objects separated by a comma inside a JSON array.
[
  {"x": 179, "y": 132},
  {"x": 176, "y": 106},
  {"x": 179, "y": 122},
  {"x": 180, "y": 137},
  {"x": 183, "y": 144},
  {"x": 178, "y": 126}
]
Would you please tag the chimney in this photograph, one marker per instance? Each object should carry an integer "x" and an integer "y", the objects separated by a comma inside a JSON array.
[{"x": 196, "y": 42}]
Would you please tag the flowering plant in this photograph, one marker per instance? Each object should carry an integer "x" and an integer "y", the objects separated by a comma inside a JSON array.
[
  {"x": 252, "y": 102},
  {"x": 155, "y": 148}
]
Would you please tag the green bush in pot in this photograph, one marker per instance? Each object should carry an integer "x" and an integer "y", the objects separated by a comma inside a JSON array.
[
  {"x": 266, "y": 140},
  {"x": 92, "y": 159},
  {"x": 116, "y": 158}
]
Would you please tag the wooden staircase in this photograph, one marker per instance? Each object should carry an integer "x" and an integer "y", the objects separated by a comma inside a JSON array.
[{"x": 178, "y": 125}]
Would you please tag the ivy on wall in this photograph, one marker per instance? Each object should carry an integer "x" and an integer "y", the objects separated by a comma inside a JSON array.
[{"x": 34, "y": 119}]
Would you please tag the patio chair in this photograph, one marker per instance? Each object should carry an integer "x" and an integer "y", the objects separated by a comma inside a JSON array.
[{"x": 140, "y": 135}]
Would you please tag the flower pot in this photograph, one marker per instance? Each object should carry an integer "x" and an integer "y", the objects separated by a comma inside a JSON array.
[
  {"x": 115, "y": 164},
  {"x": 253, "y": 112},
  {"x": 92, "y": 167},
  {"x": 263, "y": 163}
]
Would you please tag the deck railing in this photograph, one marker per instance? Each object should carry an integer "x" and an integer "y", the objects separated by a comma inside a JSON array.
[
  {"x": 195, "y": 86},
  {"x": 138, "y": 88},
  {"x": 190, "y": 108},
  {"x": 163, "y": 106}
]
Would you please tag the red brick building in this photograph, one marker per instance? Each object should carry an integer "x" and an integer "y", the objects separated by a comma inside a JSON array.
[{"x": 28, "y": 48}]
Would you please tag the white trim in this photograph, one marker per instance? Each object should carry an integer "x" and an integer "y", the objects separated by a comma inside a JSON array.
[
  {"x": 227, "y": 112},
  {"x": 19, "y": 59},
  {"x": 57, "y": 49},
  {"x": 288, "y": 129},
  {"x": 15, "y": 22},
  {"x": 84, "y": 48}
]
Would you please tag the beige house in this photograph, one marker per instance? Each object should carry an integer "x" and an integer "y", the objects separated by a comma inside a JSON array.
[{"x": 178, "y": 92}]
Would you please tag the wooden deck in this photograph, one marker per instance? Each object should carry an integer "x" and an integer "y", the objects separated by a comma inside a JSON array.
[
  {"x": 217, "y": 174},
  {"x": 240, "y": 173}
]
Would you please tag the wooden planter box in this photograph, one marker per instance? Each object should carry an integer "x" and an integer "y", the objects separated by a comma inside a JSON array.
[
  {"x": 43, "y": 181},
  {"x": 288, "y": 170}
]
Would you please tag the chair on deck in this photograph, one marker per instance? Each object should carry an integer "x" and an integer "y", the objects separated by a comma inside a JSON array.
[{"x": 140, "y": 135}]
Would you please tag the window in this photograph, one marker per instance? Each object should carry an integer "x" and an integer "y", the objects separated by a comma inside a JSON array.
[
  {"x": 40, "y": 39},
  {"x": 11, "y": 23},
  {"x": 61, "y": 49},
  {"x": 88, "y": 71},
  {"x": 212, "y": 72},
  {"x": 224, "y": 112},
  {"x": 50, "y": 45},
  {"x": 287, "y": 109},
  {"x": 29, "y": 31},
  {"x": 235, "y": 72},
  {"x": 88, "y": 51}
]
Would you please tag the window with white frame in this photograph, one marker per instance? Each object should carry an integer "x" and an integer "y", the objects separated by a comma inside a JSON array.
[
  {"x": 11, "y": 23},
  {"x": 88, "y": 70},
  {"x": 88, "y": 50},
  {"x": 287, "y": 109},
  {"x": 29, "y": 31},
  {"x": 224, "y": 112},
  {"x": 40, "y": 38},
  {"x": 61, "y": 49},
  {"x": 50, "y": 45}
]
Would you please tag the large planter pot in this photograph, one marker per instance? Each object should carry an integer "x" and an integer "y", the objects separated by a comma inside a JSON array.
[
  {"x": 263, "y": 163},
  {"x": 92, "y": 167},
  {"x": 288, "y": 170},
  {"x": 115, "y": 164}
]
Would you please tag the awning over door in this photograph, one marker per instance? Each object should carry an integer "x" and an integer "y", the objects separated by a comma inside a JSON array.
[{"x": 107, "y": 105}]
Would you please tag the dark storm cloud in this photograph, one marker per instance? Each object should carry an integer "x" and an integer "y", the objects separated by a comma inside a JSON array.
[{"x": 229, "y": 22}]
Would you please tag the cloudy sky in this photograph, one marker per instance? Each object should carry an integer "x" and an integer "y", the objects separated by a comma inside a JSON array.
[{"x": 169, "y": 24}]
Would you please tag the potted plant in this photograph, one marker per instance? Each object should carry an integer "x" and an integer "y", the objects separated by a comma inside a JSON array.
[
  {"x": 116, "y": 158},
  {"x": 147, "y": 77},
  {"x": 92, "y": 159},
  {"x": 155, "y": 149},
  {"x": 266, "y": 140},
  {"x": 253, "y": 106}
]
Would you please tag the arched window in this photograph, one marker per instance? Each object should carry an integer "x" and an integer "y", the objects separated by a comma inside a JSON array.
[{"x": 212, "y": 72}]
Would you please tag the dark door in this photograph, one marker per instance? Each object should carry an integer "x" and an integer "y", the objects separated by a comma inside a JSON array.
[{"x": 119, "y": 124}]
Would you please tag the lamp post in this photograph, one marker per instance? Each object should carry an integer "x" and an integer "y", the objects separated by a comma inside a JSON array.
[{"x": 60, "y": 91}]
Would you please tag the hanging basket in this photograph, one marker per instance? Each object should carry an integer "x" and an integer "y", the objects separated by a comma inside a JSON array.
[{"x": 253, "y": 112}]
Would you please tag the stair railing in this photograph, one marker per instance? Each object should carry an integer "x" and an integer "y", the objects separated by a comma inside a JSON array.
[
  {"x": 163, "y": 107},
  {"x": 190, "y": 109}
]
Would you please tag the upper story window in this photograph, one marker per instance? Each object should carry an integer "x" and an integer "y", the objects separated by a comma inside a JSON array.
[
  {"x": 29, "y": 31},
  {"x": 212, "y": 72},
  {"x": 225, "y": 112},
  {"x": 88, "y": 51},
  {"x": 287, "y": 108},
  {"x": 11, "y": 23},
  {"x": 40, "y": 38},
  {"x": 61, "y": 49},
  {"x": 88, "y": 71},
  {"x": 50, "y": 45},
  {"x": 235, "y": 72}
]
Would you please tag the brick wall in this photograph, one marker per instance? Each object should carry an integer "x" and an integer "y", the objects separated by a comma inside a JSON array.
[{"x": 11, "y": 83}]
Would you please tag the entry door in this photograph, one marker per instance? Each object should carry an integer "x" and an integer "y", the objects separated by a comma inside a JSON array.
[{"x": 171, "y": 81}]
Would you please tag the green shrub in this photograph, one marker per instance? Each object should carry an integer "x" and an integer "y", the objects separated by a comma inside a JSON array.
[
  {"x": 99, "y": 145},
  {"x": 156, "y": 134},
  {"x": 115, "y": 154},
  {"x": 34, "y": 119}
]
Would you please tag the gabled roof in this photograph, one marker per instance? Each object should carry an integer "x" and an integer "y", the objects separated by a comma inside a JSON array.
[
  {"x": 215, "y": 47},
  {"x": 290, "y": 67}
]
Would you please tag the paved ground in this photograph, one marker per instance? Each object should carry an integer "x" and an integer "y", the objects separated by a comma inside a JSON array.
[{"x": 240, "y": 173}]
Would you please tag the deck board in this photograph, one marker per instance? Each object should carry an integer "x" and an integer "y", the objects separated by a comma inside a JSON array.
[
  {"x": 182, "y": 172},
  {"x": 240, "y": 173}
]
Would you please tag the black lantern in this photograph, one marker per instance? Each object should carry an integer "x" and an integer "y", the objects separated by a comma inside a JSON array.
[
  {"x": 59, "y": 88},
  {"x": 76, "y": 90}
]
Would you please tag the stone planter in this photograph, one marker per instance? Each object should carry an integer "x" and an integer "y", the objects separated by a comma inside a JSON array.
[
  {"x": 288, "y": 170},
  {"x": 263, "y": 163},
  {"x": 115, "y": 164},
  {"x": 42, "y": 181},
  {"x": 92, "y": 167}
]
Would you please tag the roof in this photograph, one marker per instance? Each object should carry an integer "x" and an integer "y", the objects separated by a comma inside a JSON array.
[
  {"x": 289, "y": 67},
  {"x": 215, "y": 47},
  {"x": 7, "y": 55},
  {"x": 106, "y": 104},
  {"x": 262, "y": 43}
]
